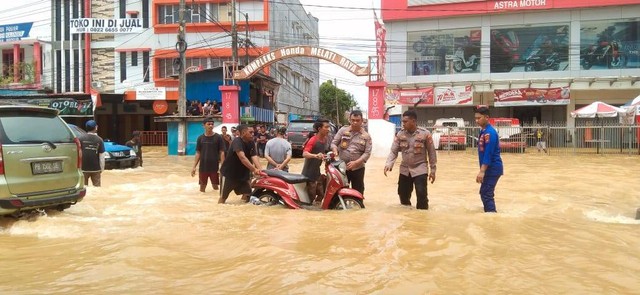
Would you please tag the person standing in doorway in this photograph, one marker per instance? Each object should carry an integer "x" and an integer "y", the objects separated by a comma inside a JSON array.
[
  {"x": 353, "y": 145},
  {"x": 240, "y": 163},
  {"x": 541, "y": 136},
  {"x": 418, "y": 151},
  {"x": 209, "y": 154},
  {"x": 135, "y": 144},
  {"x": 490, "y": 161},
  {"x": 92, "y": 154},
  {"x": 278, "y": 151}
]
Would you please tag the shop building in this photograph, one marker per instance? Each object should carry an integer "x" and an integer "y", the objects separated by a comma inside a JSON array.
[
  {"x": 126, "y": 65},
  {"x": 533, "y": 60}
]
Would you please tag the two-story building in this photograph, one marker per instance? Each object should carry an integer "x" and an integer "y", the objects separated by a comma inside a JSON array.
[
  {"x": 536, "y": 60},
  {"x": 126, "y": 65}
]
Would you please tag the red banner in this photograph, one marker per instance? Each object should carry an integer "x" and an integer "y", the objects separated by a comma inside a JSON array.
[
  {"x": 381, "y": 44},
  {"x": 531, "y": 96},
  {"x": 421, "y": 96}
]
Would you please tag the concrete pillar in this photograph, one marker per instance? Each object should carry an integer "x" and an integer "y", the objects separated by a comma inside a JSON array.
[
  {"x": 376, "y": 99},
  {"x": 230, "y": 104},
  {"x": 16, "y": 63},
  {"x": 37, "y": 57}
]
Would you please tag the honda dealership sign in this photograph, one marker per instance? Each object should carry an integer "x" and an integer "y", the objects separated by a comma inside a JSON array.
[{"x": 531, "y": 96}]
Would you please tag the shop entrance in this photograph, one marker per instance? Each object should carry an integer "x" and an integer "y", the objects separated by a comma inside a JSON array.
[{"x": 528, "y": 114}]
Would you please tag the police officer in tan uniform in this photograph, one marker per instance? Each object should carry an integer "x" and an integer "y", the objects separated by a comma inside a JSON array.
[
  {"x": 417, "y": 150},
  {"x": 353, "y": 145}
]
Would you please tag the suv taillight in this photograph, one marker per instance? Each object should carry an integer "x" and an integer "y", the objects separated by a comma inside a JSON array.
[
  {"x": 79, "y": 147},
  {"x": 1, "y": 161}
]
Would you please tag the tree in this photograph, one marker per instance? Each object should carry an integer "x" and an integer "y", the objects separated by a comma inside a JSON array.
[{"x": 329, "y": 93}]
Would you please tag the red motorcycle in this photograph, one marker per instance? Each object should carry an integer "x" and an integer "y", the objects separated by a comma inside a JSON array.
[{"x": 272, "y": 187}]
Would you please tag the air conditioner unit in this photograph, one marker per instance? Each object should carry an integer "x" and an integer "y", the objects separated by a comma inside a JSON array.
[{"x": 97, "y": 85}]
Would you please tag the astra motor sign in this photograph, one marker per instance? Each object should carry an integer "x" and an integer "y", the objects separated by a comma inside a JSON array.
[
  {"x": 105, "y": 26},
  {"x": 14, "y": 32}
]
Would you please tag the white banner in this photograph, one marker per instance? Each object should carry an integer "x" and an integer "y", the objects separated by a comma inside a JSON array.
[
  {"x": 457, "y": 95},
  {"x": 105, "y": 26},
  {"x": 151, "y": 93}
]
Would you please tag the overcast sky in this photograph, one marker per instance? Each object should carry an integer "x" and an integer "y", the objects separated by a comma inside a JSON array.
[{"x": 346, "y": 27}]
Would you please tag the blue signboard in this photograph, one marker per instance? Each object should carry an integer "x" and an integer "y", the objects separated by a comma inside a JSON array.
[{"x": 14, "y": 32}]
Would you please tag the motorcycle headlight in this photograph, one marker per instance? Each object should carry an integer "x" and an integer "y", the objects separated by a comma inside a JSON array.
[
  {"x": 342, "y": 167},
  {"x": 107, "y": 155}
]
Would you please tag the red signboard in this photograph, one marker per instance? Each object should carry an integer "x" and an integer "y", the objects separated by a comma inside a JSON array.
[
  {"x": 531, "y": 96},
  {"x": 420, "y": 96},
  {"x": 400, "y": 10}
]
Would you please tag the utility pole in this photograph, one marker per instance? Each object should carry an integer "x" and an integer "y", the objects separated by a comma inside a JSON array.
[
  {"x": 335, "y": 84},
  {"x": 234, "y": 32},
  {"x": 182, "y": 89},
  {"x": 246, "y": 41}
]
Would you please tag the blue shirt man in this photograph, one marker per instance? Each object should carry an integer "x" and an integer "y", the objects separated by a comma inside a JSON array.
[{"x": 491, "y": 167}]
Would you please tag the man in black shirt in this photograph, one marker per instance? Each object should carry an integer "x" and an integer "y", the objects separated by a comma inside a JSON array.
[
  {"x": 209, "y": 153},
  {"x": 92, "y": 154},
  {"x": 261, "y": 140},
  {"x": 236, "y": 169}
]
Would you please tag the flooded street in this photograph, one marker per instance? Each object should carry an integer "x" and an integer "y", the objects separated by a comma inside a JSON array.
[{"x": 565, "y": 225}]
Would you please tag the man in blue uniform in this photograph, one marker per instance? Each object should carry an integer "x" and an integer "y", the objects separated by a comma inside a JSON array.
[{"x": 489, "y": 155}]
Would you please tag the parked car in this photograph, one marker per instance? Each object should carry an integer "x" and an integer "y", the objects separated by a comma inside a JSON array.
[
  {"x": 297, "y": 132},
  {"x": 116, "y": 156},
  {"x": 40, "y": 161},
  {"x": 450, "y": 133},
  {"x": 510, "y": 132}
]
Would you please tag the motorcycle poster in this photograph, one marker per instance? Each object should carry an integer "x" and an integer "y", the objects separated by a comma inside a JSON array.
[
  {"x": 531, "y": 96},
  {"x": 409, "y": 97},
  {"x": 443, "y": 52},
  {"x": 609, "y": 45},
  {"x": 529, "y": 49}
]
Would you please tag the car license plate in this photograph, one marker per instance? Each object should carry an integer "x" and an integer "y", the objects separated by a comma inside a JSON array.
[{"x": 46, "y": 167}]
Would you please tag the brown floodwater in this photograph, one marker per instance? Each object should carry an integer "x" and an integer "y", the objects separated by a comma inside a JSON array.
[{"x": 566, "y": 225}]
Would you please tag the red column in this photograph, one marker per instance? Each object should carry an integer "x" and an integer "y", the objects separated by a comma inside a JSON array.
[
  {"x": 376, "y": 99},
  {"x": 37, "y": 56},
  {"x": 16, "y": 63},
  {"x": 87, "y": 50},
  {"x": 230, "y": 106}
]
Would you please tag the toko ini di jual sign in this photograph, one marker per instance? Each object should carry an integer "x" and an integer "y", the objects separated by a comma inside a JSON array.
[{"x": 105, "y": 26}]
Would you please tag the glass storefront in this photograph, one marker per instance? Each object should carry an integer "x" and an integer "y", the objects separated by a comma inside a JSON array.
[
  {"x": 609, "y": 44},
  {"x": 443, "y": 52},
  {"x": 518, "y": 49}
]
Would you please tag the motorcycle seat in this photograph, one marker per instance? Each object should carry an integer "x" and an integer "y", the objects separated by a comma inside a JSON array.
[{"x": 286, "y": 176}]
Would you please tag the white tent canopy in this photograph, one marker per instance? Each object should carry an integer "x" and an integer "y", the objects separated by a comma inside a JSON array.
[
  {"x": 597, "y": 109},
  {"x": 634, "y": 102}
]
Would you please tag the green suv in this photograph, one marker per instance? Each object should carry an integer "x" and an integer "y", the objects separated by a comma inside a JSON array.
[{"x": 40, "y": 161}]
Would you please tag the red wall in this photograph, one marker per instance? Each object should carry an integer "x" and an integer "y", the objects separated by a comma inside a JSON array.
[{"x": 398, "y": 9}]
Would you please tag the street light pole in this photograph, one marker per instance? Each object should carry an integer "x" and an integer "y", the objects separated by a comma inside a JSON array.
[
  {"x": 234, "y": 32},
  {"x": 335, "y": 84}
]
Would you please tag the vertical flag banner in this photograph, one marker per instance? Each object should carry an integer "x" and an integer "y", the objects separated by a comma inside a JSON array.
[{"x": 381, "y": 45}]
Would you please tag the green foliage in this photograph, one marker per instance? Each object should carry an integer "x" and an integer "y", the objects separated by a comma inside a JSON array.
[
  {"x": 328, "y": 95},
  {"x": 26, "y": 69}
]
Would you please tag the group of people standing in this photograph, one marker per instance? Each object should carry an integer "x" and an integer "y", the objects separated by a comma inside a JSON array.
[{"x": 352, "y": 144}]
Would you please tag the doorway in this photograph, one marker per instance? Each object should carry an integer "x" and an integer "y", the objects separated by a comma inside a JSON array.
[{"x": 528, "y": 115}]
